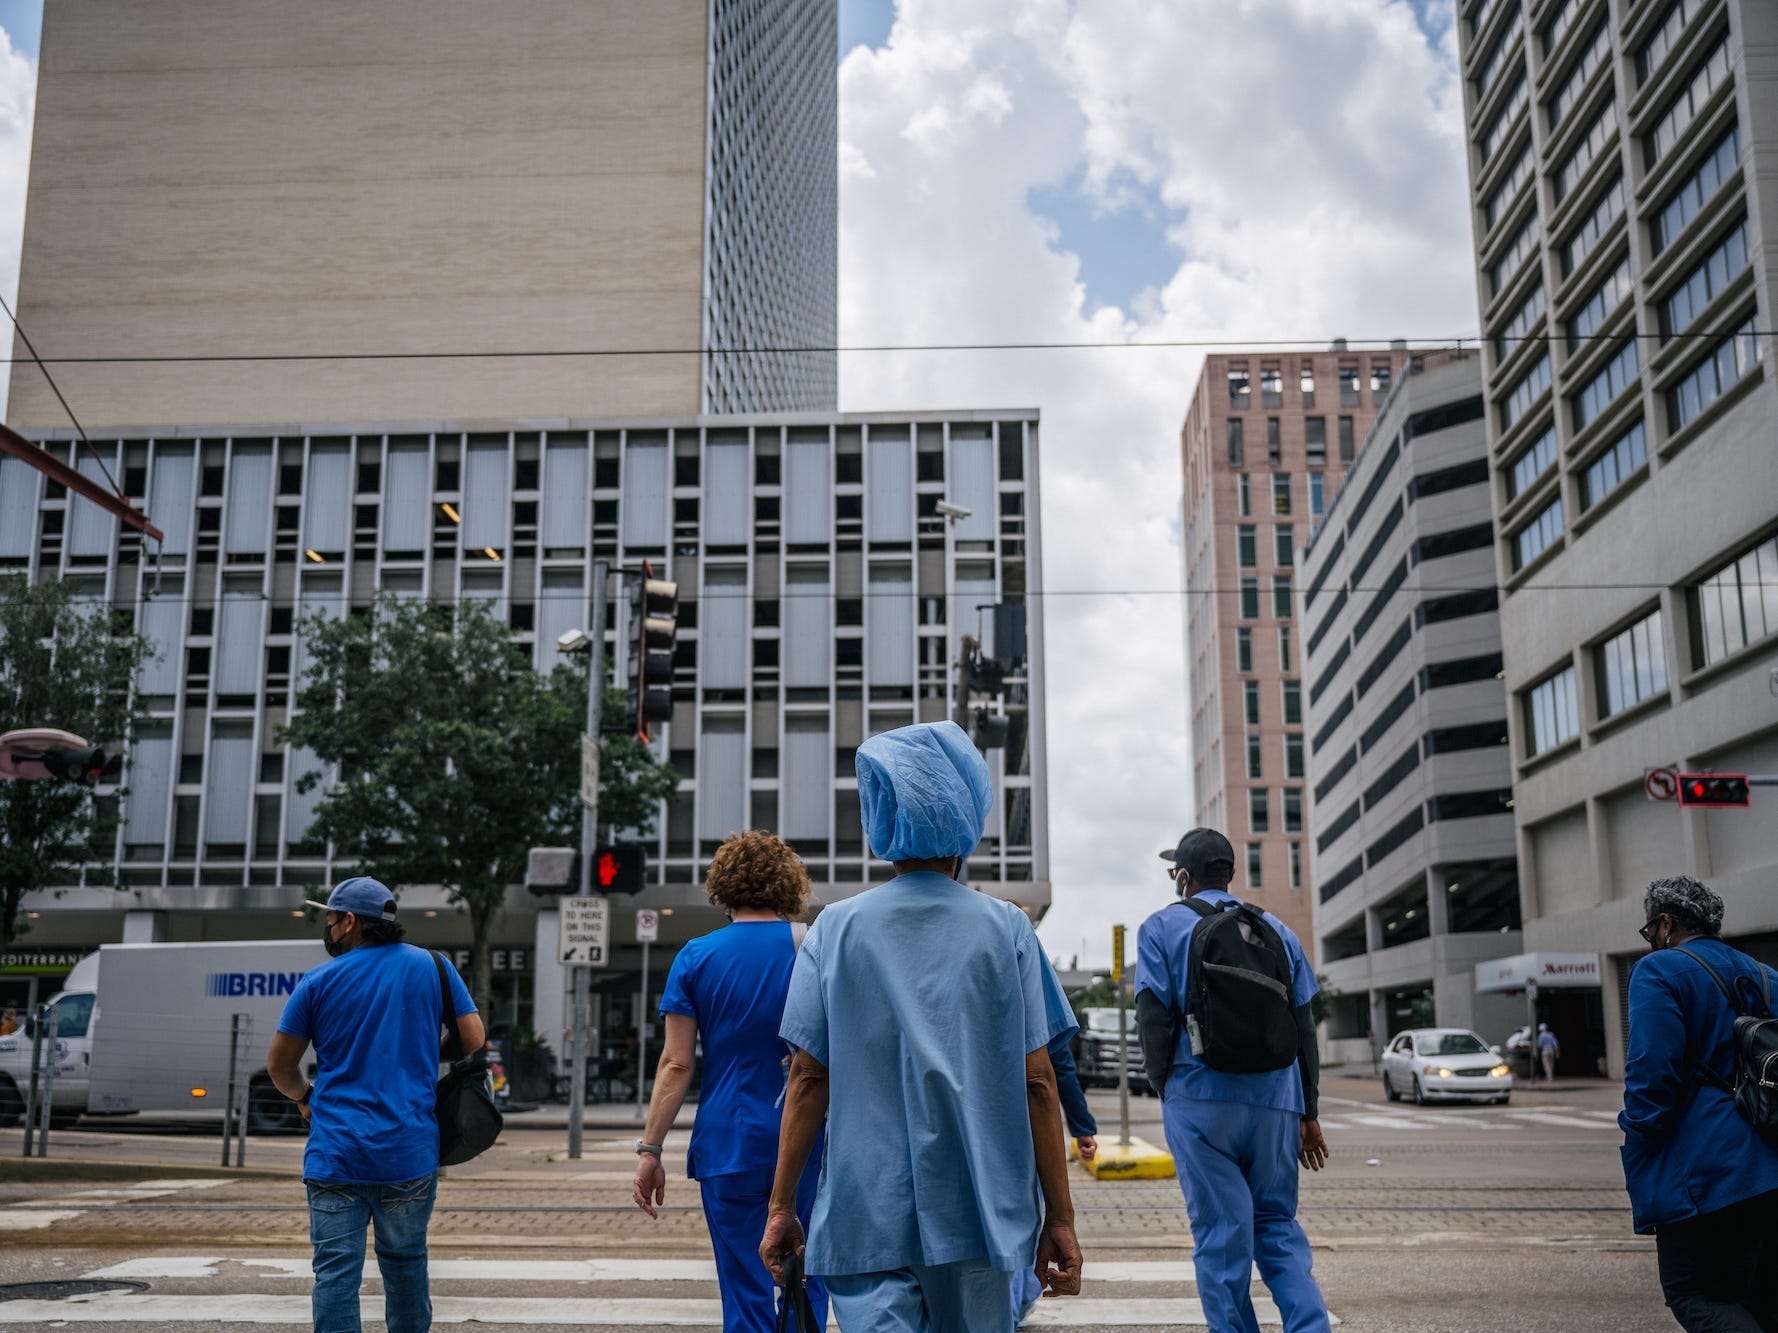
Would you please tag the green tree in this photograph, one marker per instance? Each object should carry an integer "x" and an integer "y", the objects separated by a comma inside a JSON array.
[
  {"x": 451, "y": 756},
  {"x": 72, "y": 667}
]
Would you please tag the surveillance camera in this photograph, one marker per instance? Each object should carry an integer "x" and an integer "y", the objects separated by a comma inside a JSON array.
[
  {"x": 950, "y": 510},
  {"x": 574, "y": 641}
]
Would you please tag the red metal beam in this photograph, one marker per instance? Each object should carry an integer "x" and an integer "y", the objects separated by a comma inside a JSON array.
[{"x": 37, "y": 456}]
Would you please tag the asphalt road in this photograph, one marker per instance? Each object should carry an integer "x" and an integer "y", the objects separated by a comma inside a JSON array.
[{"x": 1454, "y": 1218}]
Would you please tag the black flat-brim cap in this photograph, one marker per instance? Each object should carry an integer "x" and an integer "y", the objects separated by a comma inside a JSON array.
[{"x": 1199, "y": 850}]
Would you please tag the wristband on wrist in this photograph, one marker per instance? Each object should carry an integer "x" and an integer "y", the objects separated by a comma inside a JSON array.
[{"x": 652, "y": 1149}]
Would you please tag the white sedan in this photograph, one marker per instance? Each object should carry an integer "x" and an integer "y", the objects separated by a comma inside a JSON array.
[{"x": 1428, "y": 1063}]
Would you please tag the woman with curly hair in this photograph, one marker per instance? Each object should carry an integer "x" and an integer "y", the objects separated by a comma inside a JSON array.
[{"x": 728, "y": 988}]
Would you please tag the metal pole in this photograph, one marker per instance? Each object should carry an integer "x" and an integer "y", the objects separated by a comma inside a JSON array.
[
  {"x": 246, "y": 1089},
  {"x": 642, "y": 1042},
  {"x": 49, "y": 1081},
  {"x": 41, "y": 1019},
  {"x": 1123, "y": 1068},
  {"x": 589, "y": 829}
]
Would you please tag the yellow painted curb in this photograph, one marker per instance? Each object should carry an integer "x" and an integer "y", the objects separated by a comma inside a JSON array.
[{"x": 1138, "y": 1160}]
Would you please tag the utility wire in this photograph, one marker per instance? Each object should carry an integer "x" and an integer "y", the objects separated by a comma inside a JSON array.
[{"x": 56, "y": 388}]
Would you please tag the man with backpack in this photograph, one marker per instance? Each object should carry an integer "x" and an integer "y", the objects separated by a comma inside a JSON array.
[
  {"x": 1700, "y": 1115},
  {"x": 1222, "y": 1008}
]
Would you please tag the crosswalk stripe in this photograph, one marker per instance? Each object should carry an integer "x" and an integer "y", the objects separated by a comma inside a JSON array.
[{"x": 1566, "y": 1121}]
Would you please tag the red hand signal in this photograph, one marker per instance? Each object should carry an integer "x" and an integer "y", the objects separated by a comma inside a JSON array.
[{"x": 608, "y": 869}]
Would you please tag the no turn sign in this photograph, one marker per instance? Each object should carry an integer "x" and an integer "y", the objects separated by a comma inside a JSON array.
[
  {"x": 648, "y": 926},
  {"x": 1661, "y": 784}
]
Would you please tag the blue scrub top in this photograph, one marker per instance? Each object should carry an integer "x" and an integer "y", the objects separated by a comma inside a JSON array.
[
  {"x": 922, "y": 998},
  {"x": 732, "y": 981},
  {"x": 1161, "y": 949},
  {"x": 1687, "y": 1151},
  {"x": 375, "y": 1015}
]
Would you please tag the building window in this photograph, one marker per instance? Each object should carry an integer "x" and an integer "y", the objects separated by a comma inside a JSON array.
[
  {"x": 1271, "y": 386},
  {"x": 1247, "y": 546},
  {"x": 1317, "y": 496},
  {"x": 1679, "y": 113},
  {"x": 1737, "y": 605},
  {"x": 1537, "y": 536},
  {"x": 1632, "y": 665},
  {"x": 1653, "y": 52},
  {"x": 1243, "y": 649},
  {"x": 1608, "y": 471},
  {"x": 1707, "y": 381},
  {"x": 1315, "y": 440},
  {"x": 1494, "y": 133},
  {"x": 1293, "y": 703},
  {"x": 1551, "y": 715},
  {"x": 1698, "y": 189},
  {"x": 1259, "y": 814},
  {"x": 1519, "y": 323},
  {"x": 1253, "y": 862},
  {"x": 1250, "y": 701},
  {"x": 1348, "y": 386},
  {"x": 1274, "y": 442},
  {"x": 1293, "y": 754},
  {"x": 1293, "y": 809},
  {"x": 1284, "y": 648},
  {"x": 1306, "y": 382},
  {"x": 1347, "y": 445},
  {"x": 1606, "y": 210},
  {"x": 1280, "y": 493},
  {"x": 1531, "y": 464},
  {"x": 1613, "y": 378},
  {"x": 1512, "y": 181},
  {"x": 1284, "y": 544},
  {"x": 1706, "y": 282},
  {"x": 1250, "y": 599},
  {"x": 1237, "y": 454},
  {"x": 1585, "y": 152},
  {"x": 1526, "y": 391},
  {"x": 1600, "y": 302},
  {"x": 1244, "y": 495},
  {"x": 1255, "y": 757},
  {"x": 1240, "y": 391},
  {"x": 1282, "y": 606},
  {"x": 1504, "y": 45},
  {"x": 1296, "y": 865},
  {"x": 1564, "y": 98},
  {"x": 1513, "y": 254},
  {"x": 1379, "y": 381}
]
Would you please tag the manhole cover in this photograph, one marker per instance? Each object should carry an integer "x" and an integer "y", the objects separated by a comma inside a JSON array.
[{"x": 61, "y": 1291}]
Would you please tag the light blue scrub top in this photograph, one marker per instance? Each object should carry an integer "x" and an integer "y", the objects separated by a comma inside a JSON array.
[
  {"x": 922, "y": 998},
  {"x": 1161, "y": 948}
]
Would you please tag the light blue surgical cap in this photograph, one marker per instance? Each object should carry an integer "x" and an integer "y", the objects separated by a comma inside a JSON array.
[{"x": 923, "y": 791}]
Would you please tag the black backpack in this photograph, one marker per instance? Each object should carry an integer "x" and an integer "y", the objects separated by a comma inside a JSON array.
[
  {"x": 1238, "y": 991},
  {"x": 468, "y": 1120},
  {"x": 1755, "y": 1089}
]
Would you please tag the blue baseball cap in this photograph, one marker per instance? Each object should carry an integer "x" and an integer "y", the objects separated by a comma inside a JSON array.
[{"x": 361, "y": 896}]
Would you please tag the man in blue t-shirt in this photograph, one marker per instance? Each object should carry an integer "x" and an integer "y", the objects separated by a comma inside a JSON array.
[
  {"x": 1237, "y": 1138},
  {"x": 374, "y": 1013}
]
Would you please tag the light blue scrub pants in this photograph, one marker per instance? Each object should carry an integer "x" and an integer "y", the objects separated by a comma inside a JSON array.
[
  {"x": 735, "y": 1208},
  {"x": 1238, "y": 1168},
  {"x": 965, "y": 1297}
]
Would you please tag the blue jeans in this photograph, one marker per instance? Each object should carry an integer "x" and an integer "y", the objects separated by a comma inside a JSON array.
[{"x": 338, "y": 1214}]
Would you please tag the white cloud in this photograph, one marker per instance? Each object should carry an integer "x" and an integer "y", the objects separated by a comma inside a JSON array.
[
  {"x": 1310, "y": 152},
  {"x": 18, "y": 101}
]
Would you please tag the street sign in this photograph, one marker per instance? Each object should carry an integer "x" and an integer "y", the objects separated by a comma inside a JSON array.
[
  {"x": 586, "y": 931},
  {"x": 1661, "y": 784},
  {"x": 1531, "y": 987},
  {"x": 648, "y": 926},
  {"x": 1117, "y": 955},
  {"x": 589, "y": 772}
]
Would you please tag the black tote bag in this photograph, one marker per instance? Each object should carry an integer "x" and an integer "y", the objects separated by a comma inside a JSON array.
[
  {"x": 468, "y": 1120},
  {"x": 795, "y": 1313}
]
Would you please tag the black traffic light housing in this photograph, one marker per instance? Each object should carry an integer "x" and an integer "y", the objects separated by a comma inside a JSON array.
[
  {"x": 1715, "y": 791},
  {"x": 654, "y": 629},
  {"x": 85, "y": 766},
  {"x": 620, "y": 868}
]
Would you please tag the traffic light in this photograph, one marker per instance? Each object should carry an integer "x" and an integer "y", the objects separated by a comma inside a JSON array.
[
  {"x": 85, "y": 766},
  {"x": 1715, "y": 790},
  {"x": 620, "y": 868},
  {"x": 654, "y": 627}
]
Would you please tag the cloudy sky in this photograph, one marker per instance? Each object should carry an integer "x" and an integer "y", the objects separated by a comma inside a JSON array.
[{"x": 1114, "y": 171}]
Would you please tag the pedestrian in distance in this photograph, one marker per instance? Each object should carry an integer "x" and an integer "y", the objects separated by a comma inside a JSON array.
[
  {"x": 1548, "y": 1048},
  {"x": 9, "y": 1022},
  {"x": 1228, "y": 1041},
  {"x": 1700, "y": 1176},
  {"x": 728, "y": 989},
  {"x": 921, "y": 1013},
  {"x": 374, "y": 1013}
]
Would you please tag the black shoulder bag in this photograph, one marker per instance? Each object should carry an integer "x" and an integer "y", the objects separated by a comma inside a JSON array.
[
  {"x": 468, "y": 1120},
  {"x": 795, "y": 1312}
]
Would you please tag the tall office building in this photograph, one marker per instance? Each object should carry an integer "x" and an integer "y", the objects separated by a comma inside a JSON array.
[
  {"x": 1266, "y": 442},
  {"x": 1409, "y": 776},
  {"x": 823, "y": 600},
  {"x": 361, "y": 178},
  {"x": 1624, "y": 175}
]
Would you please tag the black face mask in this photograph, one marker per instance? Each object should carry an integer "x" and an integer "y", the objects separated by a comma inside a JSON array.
[{"x": 334, "y": 947}]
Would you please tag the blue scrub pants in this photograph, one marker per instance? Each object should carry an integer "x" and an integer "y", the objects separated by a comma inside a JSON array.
[
  {"x": 735, "y": 1212},
  {"x": 1238, "y": 1168},
  {"x": 965, "y": 1297}
]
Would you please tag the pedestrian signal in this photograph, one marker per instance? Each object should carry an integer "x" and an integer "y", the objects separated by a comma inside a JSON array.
[
  {"x": 85, "y": 766},
  {"x": 1719, "y": 791},
  {"x": 620, "y": 868}
]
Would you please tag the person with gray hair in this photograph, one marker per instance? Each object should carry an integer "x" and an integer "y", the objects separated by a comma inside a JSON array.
[{"x": 1700, "y": 1177}]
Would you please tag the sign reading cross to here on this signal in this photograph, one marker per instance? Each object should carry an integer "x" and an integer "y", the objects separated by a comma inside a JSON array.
[{"x": 586, "y": 931}]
